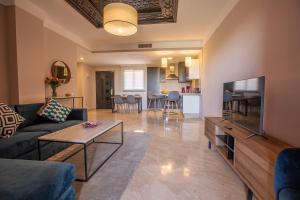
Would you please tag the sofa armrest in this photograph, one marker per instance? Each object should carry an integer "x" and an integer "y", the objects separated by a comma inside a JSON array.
[
  {"x": 287, "y": 170},
  {"x": 78, "y": 114}
]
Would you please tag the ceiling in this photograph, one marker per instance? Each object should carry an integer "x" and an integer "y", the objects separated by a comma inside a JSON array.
[
  {"x": 149, "y": 58},
  {"x": 149, "y": 11},
  {"x": 196, "y": 20}
]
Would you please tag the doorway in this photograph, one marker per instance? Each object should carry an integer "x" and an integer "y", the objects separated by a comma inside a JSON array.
[{"x": 104, "y": 89}]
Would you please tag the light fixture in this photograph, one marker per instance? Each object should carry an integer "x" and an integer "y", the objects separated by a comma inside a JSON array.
[
  {"x": 188, "y": 61},
  {"x": 120, "y": 19},
  {"x": 170, "y": 58},
  {"x": 81, "y": 58},
  {"x": 164, "y": 62}
]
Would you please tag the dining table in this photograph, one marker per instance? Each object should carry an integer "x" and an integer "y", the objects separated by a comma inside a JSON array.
[{"x": 138, "y": 99}]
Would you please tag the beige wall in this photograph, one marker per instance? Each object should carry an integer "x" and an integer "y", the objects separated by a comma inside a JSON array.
[
  {"x": 259, "y": 37},
  {"x": 27, "y": 51},
  {"x": 4, "y": 86},
  {"x": 29, "y": 38},
  {"x": 57, "y": 47},
  {"x": 86, "y": 85}
]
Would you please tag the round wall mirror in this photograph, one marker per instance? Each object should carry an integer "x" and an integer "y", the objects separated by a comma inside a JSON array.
[{"x": 61, "y": 70}]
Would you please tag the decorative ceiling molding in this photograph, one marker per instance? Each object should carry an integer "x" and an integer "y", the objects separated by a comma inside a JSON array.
[{"x": 149, "y": 11}]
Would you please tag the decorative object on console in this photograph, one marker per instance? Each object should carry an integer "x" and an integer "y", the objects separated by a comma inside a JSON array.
[
  {"x": 62, "y": 71},
  {"x": 54, "y": 82},
  {"x": 54, "y": 111},
  {"x": 9, "y": 121},
  {"x": 120, "y": 19}
]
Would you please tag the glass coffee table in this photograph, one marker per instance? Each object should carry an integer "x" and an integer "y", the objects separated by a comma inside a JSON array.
[{"x": 80, "y": 135}]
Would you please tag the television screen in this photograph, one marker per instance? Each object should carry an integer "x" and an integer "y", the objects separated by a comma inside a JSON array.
[{"x": 243, "y": 103}]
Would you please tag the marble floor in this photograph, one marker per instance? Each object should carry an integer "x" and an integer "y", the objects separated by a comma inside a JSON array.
[{"x": 177, "y": 164}]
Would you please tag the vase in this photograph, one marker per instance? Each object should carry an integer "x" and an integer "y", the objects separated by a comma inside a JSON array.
[{"x": 54, "y": 94}]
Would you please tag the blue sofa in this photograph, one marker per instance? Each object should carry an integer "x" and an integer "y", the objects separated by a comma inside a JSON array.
[
  {"x": 21, "y": 176},
  {"x": 23, "y": 145},
  {"x": 287, "y": 175},
  {"x": 36, "y": 180}
]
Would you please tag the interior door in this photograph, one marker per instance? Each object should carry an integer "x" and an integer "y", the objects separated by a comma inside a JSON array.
[{"x": 104, "y": 89}]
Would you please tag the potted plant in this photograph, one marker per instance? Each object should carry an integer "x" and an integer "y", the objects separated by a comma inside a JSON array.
[{"x": 54, "y": 82}]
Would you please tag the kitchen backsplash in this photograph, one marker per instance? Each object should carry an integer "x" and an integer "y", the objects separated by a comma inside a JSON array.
[{"x": 173, "y": 85}]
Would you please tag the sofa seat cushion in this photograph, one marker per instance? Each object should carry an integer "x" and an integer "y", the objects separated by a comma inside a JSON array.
[
  {"x": 51, "y": 126},
  {"x": 289, "y": 194},
  {"x": 35, "y": 180},
  {"x": 20, "y": 143},
  {"x": 29, "y": 112}
]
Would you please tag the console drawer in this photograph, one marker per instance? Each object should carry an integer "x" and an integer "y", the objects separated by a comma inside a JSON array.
[{"x": 248, "y": 165}]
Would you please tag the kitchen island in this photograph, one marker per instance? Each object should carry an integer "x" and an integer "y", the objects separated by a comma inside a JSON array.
[{"x": 191, "y": 105}]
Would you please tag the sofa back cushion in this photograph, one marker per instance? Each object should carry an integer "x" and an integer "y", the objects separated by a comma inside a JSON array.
[{"x": 29, "y": 112}]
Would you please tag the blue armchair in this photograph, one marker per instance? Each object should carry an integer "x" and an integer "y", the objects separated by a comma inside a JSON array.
[{"x": 287, "y": 175}]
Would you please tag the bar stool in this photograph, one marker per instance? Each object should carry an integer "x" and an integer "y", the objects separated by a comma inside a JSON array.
[{"x": 172, "y": 100}]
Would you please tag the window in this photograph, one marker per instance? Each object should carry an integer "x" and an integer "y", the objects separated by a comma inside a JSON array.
[
  {"x": 246, "y": 85},
  {"x": 134, "y": 80}
]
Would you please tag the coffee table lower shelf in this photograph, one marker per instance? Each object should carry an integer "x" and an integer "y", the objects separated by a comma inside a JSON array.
[{"x": 87, "y": 175}]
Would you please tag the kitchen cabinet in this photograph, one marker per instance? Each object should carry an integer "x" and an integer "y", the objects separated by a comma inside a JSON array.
[
  {"x": 182, "y": 73},
  {"x": 191, "y": 105},
  {"x": 162, "y": 75},
  {"x": 194, "y": 70}
]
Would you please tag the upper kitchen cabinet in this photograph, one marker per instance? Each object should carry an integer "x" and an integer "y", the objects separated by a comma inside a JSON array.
[{"x": 194, "y": 70}]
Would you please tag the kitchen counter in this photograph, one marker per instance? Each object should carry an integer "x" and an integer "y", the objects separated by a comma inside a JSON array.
[
  {"x": 191, "y": 105},
  {"x": 190, "y": 94}
]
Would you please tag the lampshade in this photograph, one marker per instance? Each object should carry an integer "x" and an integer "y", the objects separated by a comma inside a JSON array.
[
  {"x": 188, "y": 61},
  {"x": 120, "y": 19},
  {"x": 164, "y": 62}
]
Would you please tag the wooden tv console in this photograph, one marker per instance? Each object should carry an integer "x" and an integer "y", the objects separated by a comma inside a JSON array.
[{"x": 253, "y": 159}]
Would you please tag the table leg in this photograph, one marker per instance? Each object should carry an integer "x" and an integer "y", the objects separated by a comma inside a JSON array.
[
  {"x": 140, "y": 105},
  {"x": 73, "y": 102},
  {"x": 82, "y": 102},
  {"x": 85, "y": 163},
  {"x": 122, "y": 133},
  {"x": 113, "y": 106}
]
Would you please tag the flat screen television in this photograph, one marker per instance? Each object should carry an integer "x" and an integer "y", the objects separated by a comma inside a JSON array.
[{"x": 243, "y": 103}]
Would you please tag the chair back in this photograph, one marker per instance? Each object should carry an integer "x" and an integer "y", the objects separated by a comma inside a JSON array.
[
  {"x": 227, "y": 96},
  {"x": 151, "y": 95},
  {"x": 118, "y": 99},
  {"x": 173, "y": 96},
  {"x": 131, "y": 99}
]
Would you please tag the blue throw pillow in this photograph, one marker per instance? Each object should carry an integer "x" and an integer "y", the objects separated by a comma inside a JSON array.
[{"x": 54, "y": 111}]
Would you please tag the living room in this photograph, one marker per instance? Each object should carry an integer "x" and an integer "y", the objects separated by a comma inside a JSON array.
[{"x": 128, "y": 126}]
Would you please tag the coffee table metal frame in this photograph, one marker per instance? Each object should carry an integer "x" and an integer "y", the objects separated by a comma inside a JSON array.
[{"x": 85, "y": 145}]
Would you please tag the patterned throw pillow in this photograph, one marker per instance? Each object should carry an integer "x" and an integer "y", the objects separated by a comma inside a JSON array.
[
  {"x": 9, "y": 121},
  {"x": 54, "y": 111}
]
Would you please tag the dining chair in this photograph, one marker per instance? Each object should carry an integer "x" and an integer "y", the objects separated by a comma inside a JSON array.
[
  {"x": 172, "y": 100},
  {"x": 152, "y": 99},
  {"x": 131, "y": 102},
  {"x": 119, "y": 102}
]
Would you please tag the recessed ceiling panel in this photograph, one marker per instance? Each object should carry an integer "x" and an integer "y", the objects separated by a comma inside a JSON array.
[{"x": 149, "y": 11}]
